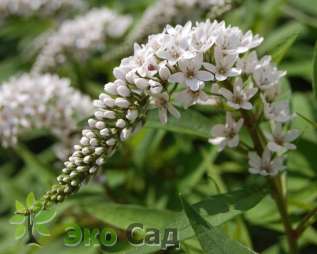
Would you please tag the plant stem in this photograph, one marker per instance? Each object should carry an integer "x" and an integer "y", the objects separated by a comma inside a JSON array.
[
  {"x": 31, "y": 238},
  {"x": 281, "y": 203},
  {"x": 275, "y": 182},
  {"x": 305, "y": 222}
]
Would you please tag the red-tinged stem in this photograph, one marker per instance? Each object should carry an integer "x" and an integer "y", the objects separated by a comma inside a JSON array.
[{"x": 275, "y": 182}]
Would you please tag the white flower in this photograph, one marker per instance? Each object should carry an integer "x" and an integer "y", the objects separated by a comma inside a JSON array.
[
  {"x": 267, "y": 75},
  {"x": 205, "y": 35},
  {"x": 277, "y": 111},
  {"x": 142, "y": 61},
  {"x": 228, "y": 134},
  {"x": 271, "y": 93},
  {"x": 265, "y": 165},
  {"x": 233, "y": 41},
  {"x": 176, "y": 44},
  {"x": 189, "y": 97},
  {"x": 190, "y": 73},
  {"x": 279, "y": 140},
  {"x": 40, "y": 101},
  {"x": 240, "y": 97},
  {"x": 80, "y": 36},
  {"x": 224, "y": 65},
  {"x": 250, "y": 63},
  {"x": 161, "y": 101},
  {"x": 28, "y": 8}
]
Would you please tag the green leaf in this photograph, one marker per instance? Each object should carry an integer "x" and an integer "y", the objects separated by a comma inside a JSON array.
[
  {"x": 308, "y": 6},
  {"x": 17, "y": 219},
  {"x": 216, "y": 210},
  {"x": 30, "y": 200},
  {"x": 280, "y": 35},
  {"x": 279, "y": 54},
  {"x": 39, "y": 169},
  {"x": 20, "y": 231},
  {"x": 315, "y": 71},
  {"x": 191, "y": 123},
  {"x": 19, "y": 207},
  {"x": 212, "y": 240},
  {"x": 45, "y": 216},
  {"x": 42, "y": 230},
  {"x": 185, "y": 185},
  {"x": 301, "y": 16},
  {"x": 311, "y": 122}
]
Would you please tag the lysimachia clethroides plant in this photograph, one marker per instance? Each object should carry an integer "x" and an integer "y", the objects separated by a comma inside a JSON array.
[{"x": 207, "y": 63}]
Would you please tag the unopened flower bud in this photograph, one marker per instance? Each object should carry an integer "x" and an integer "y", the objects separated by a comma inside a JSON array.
[
  {"x": 120, "y": 123},
  {"x": 122, "y": 103}
]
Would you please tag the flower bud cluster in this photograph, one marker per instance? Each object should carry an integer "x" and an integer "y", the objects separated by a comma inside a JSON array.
[
  {"x": 28, "y": 8},
  {"x": 184, "y": 65},
  {"x": 78, "y": 37},
  {"x": 40, "y": 101}
]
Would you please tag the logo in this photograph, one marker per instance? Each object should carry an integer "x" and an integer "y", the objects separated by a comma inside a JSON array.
[
  {"x": 30, "y": 219},
  {"x": 136, "y": 234},
  {"x": 30, "y": 223}
]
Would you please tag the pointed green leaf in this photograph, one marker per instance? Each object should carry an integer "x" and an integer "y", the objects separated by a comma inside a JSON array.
[
  {"x": 279, "y": 35},
  {"x": 20, "y": 231},
  {"x": 311, "y": 122},
  {"x": 279, "y": 54},
  {"x": 211, "y": 239},
  {"x": 44, "y": 217},
  {"x": 216, "y": 210},
  {"x": 30, "y": 200},
  {"x": 19, "y": 207},
  {"x": 17, "y": 219},
  {"x": 308, "y": 6},
  {"x": 42, "y": 229},
  {"x": 315, "y": 71}
]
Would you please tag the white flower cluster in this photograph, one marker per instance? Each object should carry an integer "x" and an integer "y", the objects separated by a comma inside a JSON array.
[
  {"x": 78, "y": 37},
  {"x": 169, "y": 11},
  {"x": 40, "y": 101},
  {"x": 192, "y": 57},
  {"x": 27, "y": 8}
]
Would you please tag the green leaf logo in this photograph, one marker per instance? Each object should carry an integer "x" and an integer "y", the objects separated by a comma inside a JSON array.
[{"x": 27, "y": 221}]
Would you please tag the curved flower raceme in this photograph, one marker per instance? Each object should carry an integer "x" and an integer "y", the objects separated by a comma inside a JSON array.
[
  {"x": 27, "y": 8},
  {"x": 80, "y": 36},
  {"x": 40, "y": 101},
  {"x": 175, "y": 67}
]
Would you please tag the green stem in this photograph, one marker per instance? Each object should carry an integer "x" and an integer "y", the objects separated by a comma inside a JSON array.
[
  {"x": 275, "y": 182},
  {"x": 31, "y": 238},
  {"x": 281, "y": 203}
]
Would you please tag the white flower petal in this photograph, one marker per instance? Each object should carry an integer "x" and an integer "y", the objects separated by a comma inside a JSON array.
[
  {"x": 173, "y": 111},
  {"x": 234, "y": 142},
  {"x": 292, "y": 135},
  {"x": 177, "y": 77},
  {"x": 226, "y": 93},
  {"x": 210, "y": 67},
  {"x": 163, "y": 115},
  {"x": 218, "y": 130},
  {"x": 204, "y": 76}
]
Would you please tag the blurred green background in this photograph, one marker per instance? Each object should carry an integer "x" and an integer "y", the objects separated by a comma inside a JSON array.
[{"x": 158, "y": 163}]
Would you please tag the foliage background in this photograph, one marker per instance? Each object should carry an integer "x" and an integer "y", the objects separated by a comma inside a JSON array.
[{"x": 158, "y": 163}]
